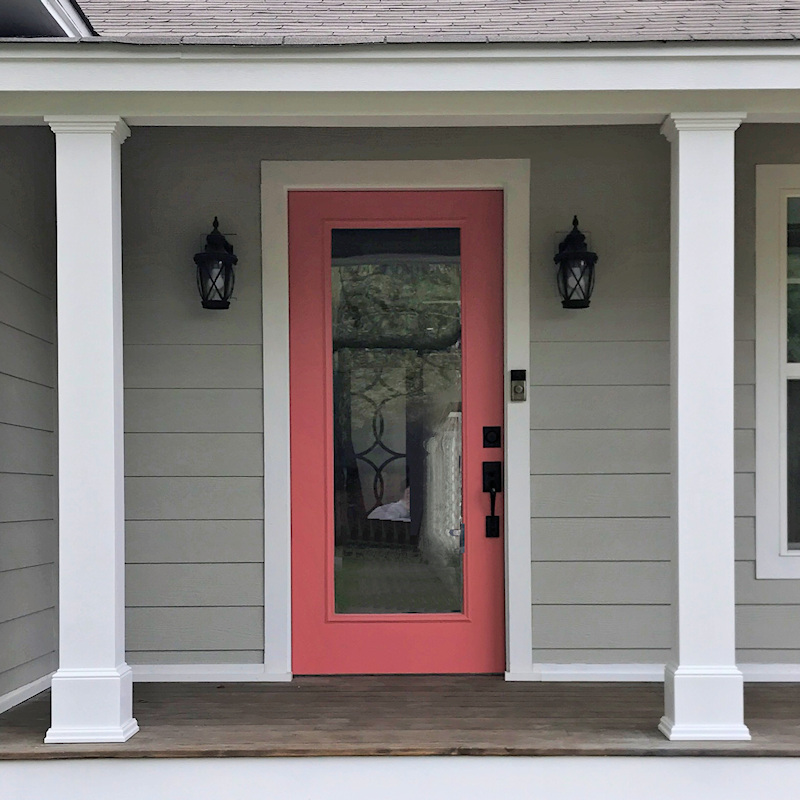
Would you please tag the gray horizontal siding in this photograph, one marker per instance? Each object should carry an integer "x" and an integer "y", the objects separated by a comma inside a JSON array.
[
  {"x": 624, "y": 318},
  {"x": 176, "y": 585},
  {"x": 601, "y": 655},
  {"x": 28, "y": 672},
  {"x": 593, "y": 363},
  {"x": 192, "y": 366},
  {"x": 195, "y": 541},
  {"x": 602, "y": 538},
  {"x": 26, "y": 451},
  {"x": 27, "y": 404},
  {"x": 26, "y": 357},
  {"x": 578, "y": 627},
  {"x": 164, "y": 629},
  {"x": 619, "y": 495},
  {"x": 618, "y": 407},
  {"x": 193, "y": 454},
  {"x": 619, "y": 451},
  {"x": 26, "y": 309},
  {"x": 619, "y": 539},
  {"x": 27, "y": 590},
  {"x": 28, "y": 537},
  {"x": 194, "y": 498},
  {"x": 27, "y": 544},
  {"x": 194, "y": 451},
  {"x": 27, "y": 638},
  {"x": 196, "y": 657},
  {"x": 178, "y": 318},
  {"x": 194, "y": 411},
  {"x": 26, "y": 498}
]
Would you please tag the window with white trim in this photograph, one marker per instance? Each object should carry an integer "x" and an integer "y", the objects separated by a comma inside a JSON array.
[{"x": 778, "y": 371}]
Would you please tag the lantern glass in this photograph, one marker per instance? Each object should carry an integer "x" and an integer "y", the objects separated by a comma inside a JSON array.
[
  {"x": 215, "y": 281},
  {"x": 576, "y": 282}
]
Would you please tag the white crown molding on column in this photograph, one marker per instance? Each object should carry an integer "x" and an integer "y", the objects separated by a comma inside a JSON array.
[
  {"x": 68, "y": 18},
  {"x": 699, "y": 121},
  {"x": 90, "y": 124}
]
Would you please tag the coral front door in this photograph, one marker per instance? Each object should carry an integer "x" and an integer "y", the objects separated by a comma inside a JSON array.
[{"x": 396, "y": 364}]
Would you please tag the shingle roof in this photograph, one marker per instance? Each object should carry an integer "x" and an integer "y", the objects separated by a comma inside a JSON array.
[{"x": 346, "y": 21}]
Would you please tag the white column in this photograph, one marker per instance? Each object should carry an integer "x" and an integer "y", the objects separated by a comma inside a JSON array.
[
  {"x": 92, "y": 697},
  {"x": 703, "y": 688}
]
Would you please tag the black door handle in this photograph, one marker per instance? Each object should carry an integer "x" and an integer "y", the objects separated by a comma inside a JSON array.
[{"x": 492, "y": 483}]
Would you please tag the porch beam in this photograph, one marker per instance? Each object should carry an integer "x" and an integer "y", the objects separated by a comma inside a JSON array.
[
  {"x": 92, "y": 690},
  {"x": 703, "y": 687}
]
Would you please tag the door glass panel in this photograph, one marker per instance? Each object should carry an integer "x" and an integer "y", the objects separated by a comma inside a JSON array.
[
  {"x": 396, "y": 315},
  {"x": 793, "y": 462},
  {"x": 793, "y": 279},
  {"x": 793, "y": 238}
]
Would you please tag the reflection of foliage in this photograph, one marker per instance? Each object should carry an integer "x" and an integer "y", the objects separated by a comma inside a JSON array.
[
  {"x": 397, "y": 375},
  {"x": 410, "y": 302},
  {"x": 793, "y": 323},
  {"x": 430, "y": 382}
]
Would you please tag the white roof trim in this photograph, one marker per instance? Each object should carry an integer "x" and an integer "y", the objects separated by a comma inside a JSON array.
[{"x": 67, "y": 17}]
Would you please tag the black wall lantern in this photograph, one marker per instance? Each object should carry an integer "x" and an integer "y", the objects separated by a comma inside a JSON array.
[
  {"x": 575, "y": 269},
  {"x": 215, "y": 270}
]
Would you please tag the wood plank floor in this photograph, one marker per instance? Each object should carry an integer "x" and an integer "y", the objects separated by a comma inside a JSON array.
[{"x": 420, "y": 715}]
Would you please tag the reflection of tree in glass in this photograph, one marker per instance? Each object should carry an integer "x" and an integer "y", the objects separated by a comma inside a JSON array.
[{"x": 396, "y": 302}]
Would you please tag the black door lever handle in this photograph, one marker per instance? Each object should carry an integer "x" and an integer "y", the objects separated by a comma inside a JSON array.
[{"x": 492, "y": 483}]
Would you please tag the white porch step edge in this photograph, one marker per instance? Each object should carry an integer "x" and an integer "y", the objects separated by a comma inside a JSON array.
[{"x": 17, "y": 696}]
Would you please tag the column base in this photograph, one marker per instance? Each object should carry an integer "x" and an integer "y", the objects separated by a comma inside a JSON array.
[
  {"x": 703, "y": 704},
  {"x": 92, "y": 705}
]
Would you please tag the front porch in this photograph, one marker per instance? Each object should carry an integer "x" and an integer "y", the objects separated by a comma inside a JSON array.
[{"x": 405, "y": 716}]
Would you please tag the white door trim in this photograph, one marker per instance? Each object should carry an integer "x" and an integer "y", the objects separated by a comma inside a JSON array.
[{"x": 277, "y": 179}]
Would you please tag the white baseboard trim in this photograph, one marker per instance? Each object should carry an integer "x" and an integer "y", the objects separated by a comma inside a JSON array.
[
  {"x": 770, "y": 673},
  {"x": 531, "y": 675},
  {"x": 753, "y": 673},
  {"x": 599, "y": 672},
  {"x": 609, "y": 673},
  {"x": 199, "y": 673},
  {"x": 17, "y": 696}
]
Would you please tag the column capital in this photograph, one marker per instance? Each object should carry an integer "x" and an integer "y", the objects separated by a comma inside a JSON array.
[
  {"x": 115, "y": 126},
  {"x": 701, "y": 121}
]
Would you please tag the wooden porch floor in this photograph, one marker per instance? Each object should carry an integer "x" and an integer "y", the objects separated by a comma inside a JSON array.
[{"x": 420, "y": 715}]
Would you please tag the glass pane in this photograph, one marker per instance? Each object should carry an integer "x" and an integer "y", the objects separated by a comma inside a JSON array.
[
  {"x": 793, "y": 322},
  {"x": 793, "y": 462},
  {"x": 793, "y": 237},
  {"x": 397, "y": 420}
]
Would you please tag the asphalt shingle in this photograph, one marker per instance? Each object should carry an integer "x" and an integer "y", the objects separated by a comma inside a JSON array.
[{"x": 374, "y": 21}]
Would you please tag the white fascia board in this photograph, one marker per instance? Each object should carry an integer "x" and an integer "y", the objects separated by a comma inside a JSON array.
[
  {"x": 106, "y": 67},
  {"x": 67, "y": 17}
]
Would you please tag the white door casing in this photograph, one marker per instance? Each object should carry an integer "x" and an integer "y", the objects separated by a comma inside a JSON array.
[{"x": 278, "y": 178}]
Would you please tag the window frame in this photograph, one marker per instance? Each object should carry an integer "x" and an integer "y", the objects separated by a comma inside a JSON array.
[{"x": 775, "y": 184}]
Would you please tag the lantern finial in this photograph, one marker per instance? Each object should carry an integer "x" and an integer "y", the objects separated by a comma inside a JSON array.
[{"x": 575, "y": 221}]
